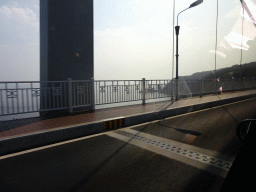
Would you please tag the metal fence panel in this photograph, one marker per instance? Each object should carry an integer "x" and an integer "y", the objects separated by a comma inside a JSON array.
[{"x": 24, "y": 96}]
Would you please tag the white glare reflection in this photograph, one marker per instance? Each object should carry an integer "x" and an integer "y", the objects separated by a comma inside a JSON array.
[
  {"x": 244, "y": 29},
  {"x": 234, "y": 40}
]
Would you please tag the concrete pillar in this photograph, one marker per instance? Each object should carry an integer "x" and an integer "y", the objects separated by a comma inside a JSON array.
[{"x": 66, "y": 42}]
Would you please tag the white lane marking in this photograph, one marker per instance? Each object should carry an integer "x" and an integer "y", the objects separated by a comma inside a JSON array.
[
  {"x": 194, "y": 158},
  {"x": 48, "y": 146},
  {"x": 185, "y": 114},
  {"x": 181, "y": 145},
  {"x": 198, "y": 111},
  {"x": 183, "y": 149}
]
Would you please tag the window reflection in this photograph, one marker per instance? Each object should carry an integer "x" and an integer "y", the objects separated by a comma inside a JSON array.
[{"x": 244, "y": 29}]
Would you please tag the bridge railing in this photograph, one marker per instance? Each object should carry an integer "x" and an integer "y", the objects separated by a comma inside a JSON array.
[
  {"x": 117, "y": 91},
  {"x": 18, "y": 97}
]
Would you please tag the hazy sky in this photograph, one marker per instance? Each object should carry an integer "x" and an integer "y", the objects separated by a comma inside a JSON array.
[{"x": 133, "y": 39}]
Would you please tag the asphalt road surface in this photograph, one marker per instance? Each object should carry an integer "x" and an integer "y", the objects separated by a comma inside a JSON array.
[{"x": 190, "y": 152}]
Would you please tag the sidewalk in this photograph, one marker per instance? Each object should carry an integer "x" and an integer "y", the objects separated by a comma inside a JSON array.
[
  {"x": 30, "y": 125},
  {"x": 23, "y": 126}
]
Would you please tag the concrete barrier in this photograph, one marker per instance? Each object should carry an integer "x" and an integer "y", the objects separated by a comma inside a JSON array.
[{"x": 38, "y": 139}]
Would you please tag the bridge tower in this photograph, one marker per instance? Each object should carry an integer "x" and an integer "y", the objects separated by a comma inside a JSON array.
[{"x": 66, "y": 43}]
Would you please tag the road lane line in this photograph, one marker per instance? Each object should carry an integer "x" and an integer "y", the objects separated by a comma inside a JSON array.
[
  {"x": 185, "y": 114},
  {"x": 198, "y": 111},
  {"x": 177, "y": 151},
  {"x": 49, "y": 146}
]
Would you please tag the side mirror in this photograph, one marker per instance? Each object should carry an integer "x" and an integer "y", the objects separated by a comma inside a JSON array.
[{"x": 243, "y": 128}]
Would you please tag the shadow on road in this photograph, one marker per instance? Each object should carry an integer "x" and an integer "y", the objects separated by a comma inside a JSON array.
[
  {"x": 205, "y": 181},
  {"x": 202, "y": 181},
  {"x": 85, "y": 180}
]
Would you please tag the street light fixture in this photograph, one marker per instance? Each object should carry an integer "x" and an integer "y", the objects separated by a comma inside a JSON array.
[{"x": 177, "y": 28}]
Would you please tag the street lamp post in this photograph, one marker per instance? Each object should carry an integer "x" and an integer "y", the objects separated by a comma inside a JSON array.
[{"x": 177, "y": 28}]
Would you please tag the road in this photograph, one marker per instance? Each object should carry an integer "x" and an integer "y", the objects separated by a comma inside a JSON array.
[{"x": 190, "y": 152}]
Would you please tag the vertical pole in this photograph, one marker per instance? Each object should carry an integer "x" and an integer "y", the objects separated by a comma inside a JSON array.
[
  {"x": 214, "y": 79},
  {"x": 233, "y": 83},
  {"x": 61, "y": 95},
  {"x": 172, "y": 89},
  {"x": 143, "y": 91},
  {"x": 201, "y": 88},
  {"x": 17, "y": 89},
  {"x": 105, "y": 88},
  {"x": 53, "y": 95},
  {"x": 6, "y": 94},
  {"x": 173, "y": 39},
  {"x": 92, "y": 95},
  {"x": 23, "y": 110},
  {"x": 177, "y": 28},
  {"x": 70, "y": 109},
  {"x": 220, "y": 85},
  {"x": 214, "y": 83},
  {"x": 31, "y": 96},
  {"x": 2, "y": 103},
  {"x": 242, "y": 49}
]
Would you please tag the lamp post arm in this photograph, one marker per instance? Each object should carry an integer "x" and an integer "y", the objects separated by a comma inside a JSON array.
[{"x": 180, "y": 13}]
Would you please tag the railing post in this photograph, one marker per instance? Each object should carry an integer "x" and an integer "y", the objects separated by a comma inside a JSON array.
[
  {"x": 70, "y": 109},
  {"x": 172, "y": 90},
  {"x": 177, "y": 89},
  {"x": 201, "y": 88},
  {"x": 214, "y": 85},
  {"x": 220, "y": 85},
  {"x": 92, "y": 95},
  {"x": 233, "y": 84},
  {"x": 143, "y": 91}
]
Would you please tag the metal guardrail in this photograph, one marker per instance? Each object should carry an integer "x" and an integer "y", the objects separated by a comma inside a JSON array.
[
  {"x": 18, "y": 97},
  {"x": 116, "y": 91}
]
